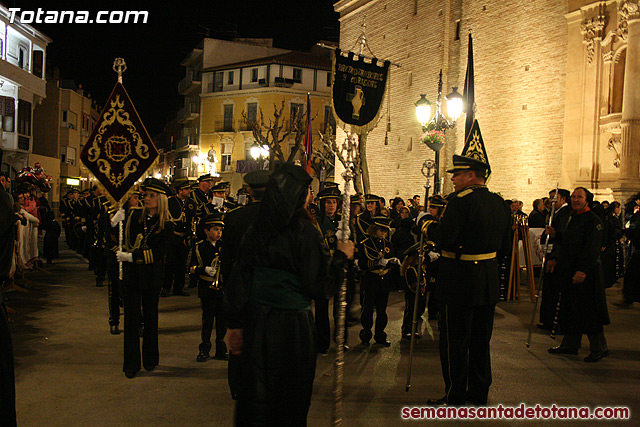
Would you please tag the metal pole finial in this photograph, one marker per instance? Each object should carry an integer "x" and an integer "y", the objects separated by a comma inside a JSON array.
[{"x": 119, "y": 66}]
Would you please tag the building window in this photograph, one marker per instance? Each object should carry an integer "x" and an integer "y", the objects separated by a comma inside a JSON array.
[
  {"x": 297, "y": 75},
  {"x": 296, "y": 114},
  {"x": 329, "y": 120},
  {"x": 227, "y": 149},
  {"x": 228, "y": 118},
  {"x": 329, "y": 79},
  {"x": 24, "y": 117},
  {"x": 69, "y": 119},
  {"x": 22, "y": 56},
  {"x": 252, "y": 112},
  {"x": 230, "y": 78},
  {"x": 254, "y": 75},
  {"x": 457, "y": 37},
  {"x": 8, "y": 110}
]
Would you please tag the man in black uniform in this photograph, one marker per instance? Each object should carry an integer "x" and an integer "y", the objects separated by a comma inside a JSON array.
[
  {"x": 182, "y": 210},
  {"x": 201, "y": 194},
  {"x": 473, "y": 228}
]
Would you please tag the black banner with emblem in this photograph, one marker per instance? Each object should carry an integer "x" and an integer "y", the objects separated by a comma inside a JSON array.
[
  {"x": 474, "y": 146},
  {"x": 358, "y": 90},
  {"x": 119, "y": 150}
]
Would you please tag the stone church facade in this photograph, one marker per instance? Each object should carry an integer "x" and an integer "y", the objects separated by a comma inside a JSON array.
[{"x": 556, "y": 90}]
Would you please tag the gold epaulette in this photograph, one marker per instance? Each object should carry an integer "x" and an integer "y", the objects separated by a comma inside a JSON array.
[{"x": 465, "y": 192}]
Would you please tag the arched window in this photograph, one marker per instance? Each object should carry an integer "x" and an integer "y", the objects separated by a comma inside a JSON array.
[{"x": 617, "y": 86}]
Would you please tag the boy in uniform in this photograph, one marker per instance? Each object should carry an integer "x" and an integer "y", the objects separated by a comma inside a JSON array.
[{"x": 206, "y": 266}]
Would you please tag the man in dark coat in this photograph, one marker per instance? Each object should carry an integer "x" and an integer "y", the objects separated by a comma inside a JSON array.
[
  {"x": 583, "y": 304},
  {"x": 551, "y": 282},
  {"x": 7, "y": 378},
  {"x": 537, "y": 217},
  {"x": 473, "y": 229}
]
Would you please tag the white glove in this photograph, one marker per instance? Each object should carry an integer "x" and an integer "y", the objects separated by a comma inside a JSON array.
[
  {"x": 83, "y": 228},
  {"x": 433, "y": 256},
  {"x": 339, "y": 234},
  {"x": 124, "y": 256},
  {"x": 394, "y": 260},
  {"x": 210, "y": 271},
  {"x": 119, "y": 216},
  {"x": 382, "y": 262}
]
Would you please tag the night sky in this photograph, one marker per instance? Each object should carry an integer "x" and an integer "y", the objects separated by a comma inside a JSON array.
[{"x": 153, "y": 51}]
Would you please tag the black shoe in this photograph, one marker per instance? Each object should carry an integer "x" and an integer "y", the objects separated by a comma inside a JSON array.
[
  {"x": 192, "y": 285},
  {"x": 437, "y": 402},
  {"x": 543, "y": 326},
  {"x": 324, "y": 351},
  {"x": 129, "y": 374},
  {"x": 164, "y": 293},
  {"x": 181, "y": 293},
  {"x": 384, "y": 343},
  {"x": 406, "y": 336},
  {"x": 562, "y": 350},
  {"x": 221, "y": 356},
  {"x": 115, "y": 330},
  {"x": 202, "y": 356},
  {"x": 365, "y": 343},
  {"x": 595, "y": 357},
  {"x": 149, "y": 368}
]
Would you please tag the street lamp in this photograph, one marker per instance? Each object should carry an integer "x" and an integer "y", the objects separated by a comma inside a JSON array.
[
  {"x": 435, "y": 128},
  {"x": 259, "y": 153}
]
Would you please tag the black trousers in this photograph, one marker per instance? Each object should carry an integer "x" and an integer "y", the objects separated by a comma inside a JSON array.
[
  {"x": 140, "y": 293},
  {"x": 465, "y": 333},
  {"x": 409, "y": 302},
  {"x": 99, "y": 262},
  {"x": 213, "y": 312},
  {"x": 7, "y": 376},
  {"x": 175, "y": 266},
  {"x": 376, "y": 295},
  {"x": 597, "y": 341},
  {"x": 114, "y": 288}
]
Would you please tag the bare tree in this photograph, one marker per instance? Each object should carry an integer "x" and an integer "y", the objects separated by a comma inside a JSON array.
[
  {"x": 330, "y": 144},
  {"x": 275, "y": 130}
]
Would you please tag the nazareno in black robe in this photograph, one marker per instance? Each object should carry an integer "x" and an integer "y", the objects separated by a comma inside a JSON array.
[{"x": 272, "y": 380}]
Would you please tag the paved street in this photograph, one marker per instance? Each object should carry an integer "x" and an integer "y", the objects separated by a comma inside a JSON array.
[{"x": 69, "y": 368}]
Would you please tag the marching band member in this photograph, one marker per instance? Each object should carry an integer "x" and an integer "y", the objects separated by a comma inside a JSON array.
[
  {"x": 182, "y": 210},
  {"x": 376, "y": 259},
  {"x": 206, "y": 265},
  {"x": 147, "y": 237}
]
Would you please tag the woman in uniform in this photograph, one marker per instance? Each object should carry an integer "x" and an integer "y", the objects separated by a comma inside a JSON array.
[{"x": 146, "y": 239}]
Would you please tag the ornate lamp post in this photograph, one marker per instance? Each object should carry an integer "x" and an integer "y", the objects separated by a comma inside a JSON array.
[
  {"x": 435, "y": 128},
  {"x": 259, "y": 154}
]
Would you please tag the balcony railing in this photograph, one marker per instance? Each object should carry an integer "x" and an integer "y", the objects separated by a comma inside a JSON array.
[
  {"x": 190, "y": 83},
  {"x": 187, "y": 140},
  {"x": 225, "y": 126},
  {"x": 189, "y": 111}
]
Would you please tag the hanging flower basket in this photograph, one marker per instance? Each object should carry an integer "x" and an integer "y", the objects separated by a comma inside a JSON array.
[{"x": 433, "y": 139}]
